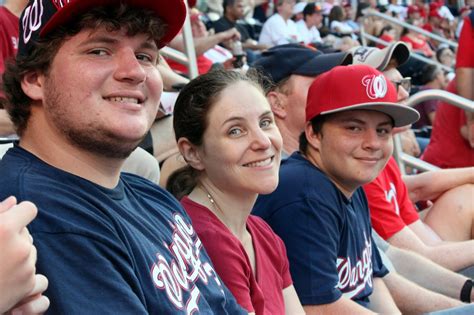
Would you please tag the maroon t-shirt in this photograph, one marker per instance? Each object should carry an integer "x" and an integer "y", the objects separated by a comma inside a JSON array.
[{"x": 263, "y": 293}]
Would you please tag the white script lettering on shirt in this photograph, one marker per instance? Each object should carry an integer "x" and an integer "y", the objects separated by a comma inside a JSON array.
[
  {"x": 353, "y": 278},
  {"x": 184, "y": 270}
]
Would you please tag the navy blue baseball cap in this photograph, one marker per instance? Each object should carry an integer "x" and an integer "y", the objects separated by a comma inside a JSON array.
[
  {"x": 40, "y": 17},
  {"x": 280, "y": 62}
]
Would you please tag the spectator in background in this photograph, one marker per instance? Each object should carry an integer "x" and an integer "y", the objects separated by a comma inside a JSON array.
[
  {"x": 279, "y": 29},
  {"x": 349, "y": 16},
  {"x": 432, "y": 78},
  {"x": 336, "y": 22},
  {"x": 387, "y": 34},
  {"x": 417, "y": 42},
  {"x": 446, "y": 57},
  {"x": 208, "y": 52},
  {"x": 397, "y": 10},
  {"x": 233, "y": 14},
  {"x": 308, "y": 26},
  {"x": 298, "y": 11},
  {"x": 9, "y": 14},
  {"x": 452, "y": 138}
]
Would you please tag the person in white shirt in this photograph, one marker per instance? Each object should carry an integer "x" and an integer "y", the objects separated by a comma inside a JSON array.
[
  {"x": 279, "y": 29},
  {"x": 308, "y": 27}
]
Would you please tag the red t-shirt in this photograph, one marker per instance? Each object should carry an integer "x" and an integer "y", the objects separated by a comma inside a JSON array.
[
  {"x": 390, "y": 206},
  {"x": 447, "y": 148},
  {"x": 262, "y": 294},
  {"x": 465, "y": 54},
  {"x": 418, "y": 44},
  {"x": 9, "y": 30}
]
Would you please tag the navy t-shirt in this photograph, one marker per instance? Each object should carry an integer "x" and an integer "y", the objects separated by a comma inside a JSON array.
[
  {"x": 327, "y": 236},
  {"x": 127, "y": 250}
]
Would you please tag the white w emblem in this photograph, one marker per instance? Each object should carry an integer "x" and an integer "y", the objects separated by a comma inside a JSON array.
[
  {"x": 32, "y": 19},
  {"x": 376, "y": 86}
]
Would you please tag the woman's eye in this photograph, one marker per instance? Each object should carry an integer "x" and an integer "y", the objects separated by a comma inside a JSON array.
[
  {"x": 235, "y": 132},
  {"x": 265, "y": 123}
]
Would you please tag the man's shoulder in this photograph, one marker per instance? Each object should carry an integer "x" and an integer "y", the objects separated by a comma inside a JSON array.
[
  {"x": 299, "y": 181},
  {"x": 297, "y": 171},
  {"x": 222, "y": 25}
]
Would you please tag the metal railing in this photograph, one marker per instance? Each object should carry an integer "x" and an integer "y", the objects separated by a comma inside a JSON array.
[
  {"x": 188, "y": 58},
  {"x": 364, "y": 36},
  {"x": 404, "y": 159}
]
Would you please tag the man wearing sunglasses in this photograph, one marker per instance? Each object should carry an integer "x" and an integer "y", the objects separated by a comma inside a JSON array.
[{"x": 391, "y": 197}]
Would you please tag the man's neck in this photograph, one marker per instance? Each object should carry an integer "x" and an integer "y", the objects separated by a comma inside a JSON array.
[
  {"x": 313, "y": 157},
  {"x": 230, "y": 18},
  {"x": 285, "y": 18},
  {"x": 60, "y": 153},
  {"x": 290, "y": 138}
]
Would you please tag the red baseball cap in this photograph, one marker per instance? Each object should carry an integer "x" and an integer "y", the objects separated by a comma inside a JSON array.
[
  {"x": 356, "y": 87},
  {"x": 413, "y": 9},
  {"x": 40, "y": 17}
]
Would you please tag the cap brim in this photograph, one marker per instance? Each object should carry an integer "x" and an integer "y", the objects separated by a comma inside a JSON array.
[
  {"x": 323, "y": 63},
  {"x": 380, "y": 58},
  {"x": 173, "y": 13},
  {"x": 401, "y": 115}
]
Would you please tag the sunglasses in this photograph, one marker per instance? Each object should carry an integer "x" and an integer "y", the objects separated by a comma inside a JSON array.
[{"x": 404, "y": 83}]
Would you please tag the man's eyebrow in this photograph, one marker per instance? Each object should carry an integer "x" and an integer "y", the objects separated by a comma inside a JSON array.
[{"x": 101, "y": 39}]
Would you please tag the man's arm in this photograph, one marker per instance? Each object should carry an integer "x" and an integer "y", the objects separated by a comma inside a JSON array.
[
  {"x": 381, "y": 300},
  {"x": 426, "y": 273},
  {"x": 342, "y": 306},
  {"x": 203, "y": 44},
  {"x": 454, "y": 256},
  {"x": 413, "y": 299},
  {"x": 429, "y": 185}
]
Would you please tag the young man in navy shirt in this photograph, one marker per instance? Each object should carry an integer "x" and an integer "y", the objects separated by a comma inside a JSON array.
[
  {"x": 83, "y": 92},
  {"x": 319, "y": 208}
]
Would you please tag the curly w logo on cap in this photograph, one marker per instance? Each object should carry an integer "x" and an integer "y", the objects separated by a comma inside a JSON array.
[
  {"x": 376, "y": 86},
  {"x": 356, "y": 87}
]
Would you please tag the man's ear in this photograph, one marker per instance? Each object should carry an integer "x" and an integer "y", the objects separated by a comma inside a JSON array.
[
  {"x": 190, "y": 153},
  {"x": 278, "y": 103},
  {"x": 32, "y": 85},
  {"x": 314, "y": 139}
]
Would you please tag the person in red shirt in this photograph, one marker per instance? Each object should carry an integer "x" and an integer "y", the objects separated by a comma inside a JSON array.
[
  {"x": 452, "y": 139},
  {"x": 9, "y": 14},
  {"x": 391, "y": 199},
  {"x": 233, "y": 153}
]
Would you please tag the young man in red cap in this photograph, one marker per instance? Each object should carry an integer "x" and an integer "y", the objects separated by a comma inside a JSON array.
[
  {"x": 320, "y": 211},
  {"x": 83, "y": 92},
  {"x": 319, "y": 208}
]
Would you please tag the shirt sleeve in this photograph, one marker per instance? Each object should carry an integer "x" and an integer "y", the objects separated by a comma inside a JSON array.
[
  {"x": 390, "y": 208},
  {"x": 285, "y": 266},
  {"x": 312, "y": 249},
  {"x": 379, "y": 269},
  {"x": 465, "y": 56}
]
